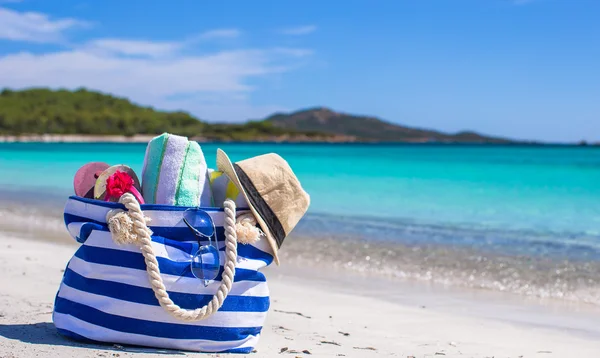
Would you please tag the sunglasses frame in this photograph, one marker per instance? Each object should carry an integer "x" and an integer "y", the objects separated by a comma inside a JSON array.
[{"x": 199, "y": 234}]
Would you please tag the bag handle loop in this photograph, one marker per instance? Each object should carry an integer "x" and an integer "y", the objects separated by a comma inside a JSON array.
[{"x": 129, "y": 227}]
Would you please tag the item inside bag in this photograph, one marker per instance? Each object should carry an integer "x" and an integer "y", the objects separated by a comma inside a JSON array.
[
  {"x": 223, "y": 188},
  {"x": 116, "y": 181},
  {"x": 175, "y": 173},
  {"x": 85, "y": 179}
]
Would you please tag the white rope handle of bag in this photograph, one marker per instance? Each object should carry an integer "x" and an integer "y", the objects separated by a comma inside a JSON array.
[{"x": 129, "y": 227}]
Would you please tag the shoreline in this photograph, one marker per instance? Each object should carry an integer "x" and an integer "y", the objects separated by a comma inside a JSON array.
[
  {"x": 143, "y": 138},
  {"x": 344, "y": 318},
  {"x": 284, "y": 139},
  {"x": 52, "y": 138}
]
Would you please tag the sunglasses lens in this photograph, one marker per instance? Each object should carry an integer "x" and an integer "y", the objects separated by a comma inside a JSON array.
[
  {"x": 200, "y": 221},
  {"x": 205, "y": 263}
]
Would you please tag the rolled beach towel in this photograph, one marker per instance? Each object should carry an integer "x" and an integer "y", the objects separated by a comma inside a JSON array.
[{"x": 175, "y": 173}]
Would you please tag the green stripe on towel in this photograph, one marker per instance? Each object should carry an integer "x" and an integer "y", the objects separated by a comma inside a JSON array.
[
  {"x": 181, "y": 171},
  {"x": 150, "y": 178},
  {"x": 188, "y": 189}
]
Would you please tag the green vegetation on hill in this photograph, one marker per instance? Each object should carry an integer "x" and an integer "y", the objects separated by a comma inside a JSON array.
[
  {"x": 39, "y": 111},
  {"x": 45, "y": 111}
]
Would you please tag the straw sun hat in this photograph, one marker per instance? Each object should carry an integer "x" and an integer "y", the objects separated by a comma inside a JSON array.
[{"x": 272, "y": 191}]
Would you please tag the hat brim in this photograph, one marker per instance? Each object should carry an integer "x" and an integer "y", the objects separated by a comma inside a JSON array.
[{"x": 225, "y": 165}]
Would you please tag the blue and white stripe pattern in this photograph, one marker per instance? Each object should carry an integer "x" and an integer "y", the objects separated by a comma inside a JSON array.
[{"x": 105, "y": 295}]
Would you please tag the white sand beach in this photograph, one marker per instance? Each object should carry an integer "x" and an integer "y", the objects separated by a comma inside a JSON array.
[{"x": 313, "y": 315}]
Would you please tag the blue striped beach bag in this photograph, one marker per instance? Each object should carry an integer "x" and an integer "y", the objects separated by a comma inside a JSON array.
[{"x": 142, "y": 291}]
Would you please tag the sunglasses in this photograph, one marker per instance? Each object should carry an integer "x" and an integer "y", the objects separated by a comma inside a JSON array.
[{"x": 205, "y": 263}]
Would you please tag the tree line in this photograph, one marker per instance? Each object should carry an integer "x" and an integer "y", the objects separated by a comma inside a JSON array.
[{"x": 40, "y": 111}]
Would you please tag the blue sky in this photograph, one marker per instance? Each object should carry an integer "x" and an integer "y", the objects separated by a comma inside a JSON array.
[{"x": 519, "y": 68}]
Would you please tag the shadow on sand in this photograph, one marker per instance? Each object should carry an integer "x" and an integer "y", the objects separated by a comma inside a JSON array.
[{"x": 45, "y": 333}]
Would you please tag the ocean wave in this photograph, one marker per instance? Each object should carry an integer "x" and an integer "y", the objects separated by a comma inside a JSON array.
[
  {"x": 563, "y": 266},
  {"x": 571, "y": 245},
  {"x": 38, "y": 222},
  {"x": 451, "y": 266}
]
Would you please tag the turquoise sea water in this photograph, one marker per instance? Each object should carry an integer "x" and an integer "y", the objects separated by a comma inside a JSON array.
[
  {"x": 508, "y": 201},
  {"x": 554, "y": 189}
]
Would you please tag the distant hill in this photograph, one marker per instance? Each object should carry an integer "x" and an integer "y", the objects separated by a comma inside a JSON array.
[
  {"x": 83, "y": 112},
  {"x": 325, "y": 120}
]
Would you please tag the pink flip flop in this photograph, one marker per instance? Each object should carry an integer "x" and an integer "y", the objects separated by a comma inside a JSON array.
[{"x": 85, "y": 178}]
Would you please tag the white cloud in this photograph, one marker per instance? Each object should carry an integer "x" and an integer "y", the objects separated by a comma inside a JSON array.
[
  {"x": 220, "y": 33},
  {"x": 154, "y": 81},
  {"x": 129, "y": 47},
  {"x": 173, "y": 75},
  {"x": 300, "y": 30},
  {"x": 133, "y": 47},
  {"x": 34, "y": 27},
  {"x": 296, "y": 52}
]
